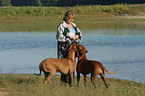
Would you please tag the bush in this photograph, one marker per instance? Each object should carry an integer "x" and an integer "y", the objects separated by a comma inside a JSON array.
[
  {"x": 5, "y": 3},
  {"x": 117, "y": 9}
]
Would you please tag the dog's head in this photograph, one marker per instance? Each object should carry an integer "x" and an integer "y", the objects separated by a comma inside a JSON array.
[
  {"x": 70, "y": 48},
  {"x": 73, "y": 47},
  {"x": 82, "y": 50}
]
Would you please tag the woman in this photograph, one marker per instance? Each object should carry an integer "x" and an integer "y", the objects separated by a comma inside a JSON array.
[{"x": 67, "y": 32}]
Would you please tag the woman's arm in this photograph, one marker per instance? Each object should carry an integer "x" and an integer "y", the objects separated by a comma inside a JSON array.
[{"x": 60, "y": 34}]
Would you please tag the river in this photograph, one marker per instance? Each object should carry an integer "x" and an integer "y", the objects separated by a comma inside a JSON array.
[{"x": 22, "y": 52}]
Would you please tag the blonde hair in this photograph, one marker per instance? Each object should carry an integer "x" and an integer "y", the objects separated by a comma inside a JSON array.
[{"x": 68, "y": 15}]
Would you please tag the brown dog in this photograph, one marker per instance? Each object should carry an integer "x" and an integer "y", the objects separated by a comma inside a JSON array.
[
  {"x": 66, "y": 65},
  {"x": 85, "y": 66}
]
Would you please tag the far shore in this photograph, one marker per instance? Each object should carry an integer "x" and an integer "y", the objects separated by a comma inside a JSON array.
[{"x": 85, "y": 22}]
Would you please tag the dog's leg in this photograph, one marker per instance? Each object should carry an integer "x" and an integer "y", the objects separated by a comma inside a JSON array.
[
  {"x": 46, "y": 76},
  {"x": 49, "y": 77},
  {"x": 78, "y": 78},
  {"x": 104, "y": 80},
  {"x": 85, "y": 79},
  {"x": 71, "y": 76},
  {"x": 93, "y": 78}
]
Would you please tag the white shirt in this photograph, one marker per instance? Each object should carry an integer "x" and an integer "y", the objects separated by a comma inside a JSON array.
[{"x": 71, "y": 33}]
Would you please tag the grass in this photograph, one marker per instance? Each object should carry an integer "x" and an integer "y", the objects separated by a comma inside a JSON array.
[
  {"x": 117, "y": 9},
  {"x": 29, "y": 84},
  {"x": 87, "y": 17},
  {"x": 84, "y": 22}
]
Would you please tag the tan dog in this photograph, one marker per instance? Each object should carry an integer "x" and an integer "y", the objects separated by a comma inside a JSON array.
[
  {"x": 85, "y": 66},
  {"x": 66, "y": 65}
]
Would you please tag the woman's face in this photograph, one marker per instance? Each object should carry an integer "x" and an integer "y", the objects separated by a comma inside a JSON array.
[{"x": 69, "y": 21}]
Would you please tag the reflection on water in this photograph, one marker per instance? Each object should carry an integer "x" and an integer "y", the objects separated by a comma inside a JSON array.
[
  {"x": 116, "y": 32},
  {"x": 116, "y": 49},
  {"x": 114, "y": 26},
  {"x": 93, "y": 26}
]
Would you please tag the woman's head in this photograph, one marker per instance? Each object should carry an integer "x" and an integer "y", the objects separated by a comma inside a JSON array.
[{"x": 69, "y": 15}]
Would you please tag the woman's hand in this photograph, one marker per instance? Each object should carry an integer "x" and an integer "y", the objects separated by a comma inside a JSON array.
[{"x": 76, "y": 37}]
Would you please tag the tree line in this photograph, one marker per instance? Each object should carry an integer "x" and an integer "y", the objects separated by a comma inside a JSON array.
[{"x": 66, "y": 2}]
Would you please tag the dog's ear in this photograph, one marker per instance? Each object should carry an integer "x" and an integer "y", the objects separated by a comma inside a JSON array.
[
  {"x": 81, "y": 54},
  {"x": 86, "y": 51}
]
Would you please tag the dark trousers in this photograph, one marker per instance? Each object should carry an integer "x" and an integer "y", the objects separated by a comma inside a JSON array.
[{"x": 62, "y": 53}]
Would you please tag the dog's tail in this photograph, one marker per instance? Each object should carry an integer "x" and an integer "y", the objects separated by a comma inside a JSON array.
[
  {"x": 40, "y": 68},
  {"x": 108, "y": 71}
]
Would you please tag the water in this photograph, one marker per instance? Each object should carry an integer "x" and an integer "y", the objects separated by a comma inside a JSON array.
[{"x": 22, "y": 52}]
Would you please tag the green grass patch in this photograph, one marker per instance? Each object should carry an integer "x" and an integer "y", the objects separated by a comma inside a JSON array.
[
  {"x": 29, "y": 84},
  {"x": 84, "y": 22},
  {"x": 117, "y": 9},
  {"x": 87, "y": 17}
]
